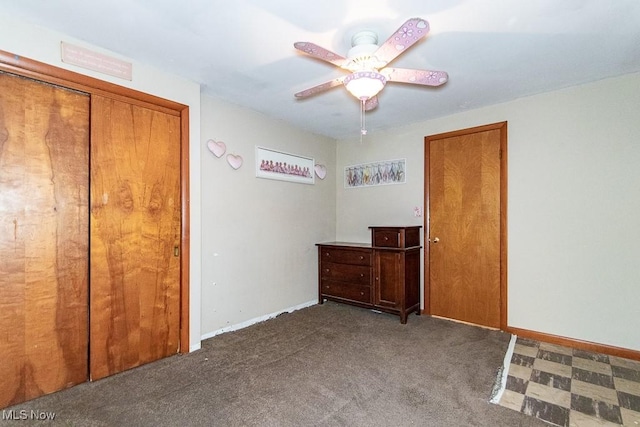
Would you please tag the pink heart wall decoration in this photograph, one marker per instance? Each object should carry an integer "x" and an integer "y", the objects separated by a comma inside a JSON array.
[
  {"x": 321, "y": 171},
  {"x": 234, "y": 160},
  {"x": 216, "y": 147}
]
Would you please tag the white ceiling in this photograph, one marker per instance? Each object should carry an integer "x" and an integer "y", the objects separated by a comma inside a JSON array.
[{"x": 242, "y": 50}]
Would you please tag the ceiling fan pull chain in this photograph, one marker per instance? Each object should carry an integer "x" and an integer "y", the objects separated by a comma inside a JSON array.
[{"x": 363, "y": 130}]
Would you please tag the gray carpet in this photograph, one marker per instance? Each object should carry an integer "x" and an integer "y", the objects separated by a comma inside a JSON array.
[{"x": 326, "y": 365}]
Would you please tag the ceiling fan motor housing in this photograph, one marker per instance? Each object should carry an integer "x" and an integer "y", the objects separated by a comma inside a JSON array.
[{"x": 360, "y": 56}]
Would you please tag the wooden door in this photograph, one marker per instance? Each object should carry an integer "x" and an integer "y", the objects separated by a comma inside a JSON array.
[
  {"x": 44, "y": 175},
  {"x": 466, "y": 254},
  {"x": 135, "y": 236}
]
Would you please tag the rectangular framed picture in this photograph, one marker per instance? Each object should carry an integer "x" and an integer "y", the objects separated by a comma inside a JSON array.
[
  {"x": 272, "y": 164},
  {"x": 385, "y": 172}
]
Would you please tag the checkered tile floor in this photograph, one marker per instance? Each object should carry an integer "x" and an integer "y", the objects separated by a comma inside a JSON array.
[{"x": 569, "y": 387}]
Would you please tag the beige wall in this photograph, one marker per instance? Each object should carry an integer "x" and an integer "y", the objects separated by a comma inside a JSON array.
[
  {"x": 573, "y": 203},
  {"x": 258, "y": 235}
]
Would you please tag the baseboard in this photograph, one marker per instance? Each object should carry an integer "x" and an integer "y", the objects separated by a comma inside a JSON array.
[
  {"x": 257, "y": 320},
  {"x": 575, "y": 343}
]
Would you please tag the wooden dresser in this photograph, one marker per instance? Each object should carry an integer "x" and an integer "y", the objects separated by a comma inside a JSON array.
[{"x": 382, "y": 275}]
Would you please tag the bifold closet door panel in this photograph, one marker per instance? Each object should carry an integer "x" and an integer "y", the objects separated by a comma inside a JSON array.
[
  {"x": 44, "y": 176},
  {"x": 135, "y": 236}
]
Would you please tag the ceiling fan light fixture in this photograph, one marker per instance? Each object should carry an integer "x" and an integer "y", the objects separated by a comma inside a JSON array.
[{"x": 364, "y": 84}]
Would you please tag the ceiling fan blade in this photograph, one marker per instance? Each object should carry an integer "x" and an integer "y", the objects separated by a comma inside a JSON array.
[
  {"x": 418, "y": 77},
  {"x": 404, "y": 37},
  {"x": 371, "y": 103},
  {"x": 320, "y": 53},
  {"x": 320, "y": 88}
]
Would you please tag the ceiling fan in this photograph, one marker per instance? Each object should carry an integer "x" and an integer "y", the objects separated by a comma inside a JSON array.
[{"x": 368, "y": 63}]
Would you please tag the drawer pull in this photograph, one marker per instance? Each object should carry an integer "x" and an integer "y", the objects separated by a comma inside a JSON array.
[
  {"x": 327, "y": 254},
  {"x": 386, "y": 238},
  {"x": 361, "y": 274},
  {"x": 327, "y": 270},
  {"x": 361, "y": 257},
  {"x": 361, "y": 293}
]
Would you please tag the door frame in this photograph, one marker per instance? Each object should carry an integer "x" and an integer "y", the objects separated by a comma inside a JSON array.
[
  {"x": 502, "y": 127},
  {"x": 36, "y": 70}
]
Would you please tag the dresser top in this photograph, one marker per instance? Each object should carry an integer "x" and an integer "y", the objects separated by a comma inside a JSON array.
[
  {"x": 395, "y": 227},
  {"x": 345, "y": 244}
]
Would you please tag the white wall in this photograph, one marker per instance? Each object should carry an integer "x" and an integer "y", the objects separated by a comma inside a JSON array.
[
  {"x": 361, "y": 207},
  {"x": 573, "y": 205},
  {"x": 259, "y": 235},
  {"x": 43, "y": 45}
]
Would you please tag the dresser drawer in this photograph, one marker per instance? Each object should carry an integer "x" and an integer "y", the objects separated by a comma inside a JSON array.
[
  {"x": 387, "y": 238},
  {"x": 360, "y": 274},
  {"x": 395, "y": 237},
  {"x": 347, "y": 291},
  {"x": 345, "y": 256}
]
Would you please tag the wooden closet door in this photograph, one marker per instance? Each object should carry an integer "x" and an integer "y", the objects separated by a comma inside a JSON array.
[
  {"x": 44, "y": 175},
  {"x": 135, "y": 236}
]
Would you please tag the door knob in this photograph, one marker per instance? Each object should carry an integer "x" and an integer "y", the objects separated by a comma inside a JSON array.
[{"x": 436, "y": 240}]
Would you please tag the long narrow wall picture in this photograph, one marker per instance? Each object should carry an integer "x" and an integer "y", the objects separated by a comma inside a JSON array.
[
  {"x": 272, "y": 164},
  {"x": 384, "y": 172}
]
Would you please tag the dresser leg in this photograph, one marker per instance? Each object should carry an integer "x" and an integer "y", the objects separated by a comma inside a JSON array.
[{"x": 403, "y": 318}]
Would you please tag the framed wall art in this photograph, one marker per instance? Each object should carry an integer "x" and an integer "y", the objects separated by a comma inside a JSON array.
[
  {"x": 272, "y": 164},
  {"x": 384, "y": 172}
]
